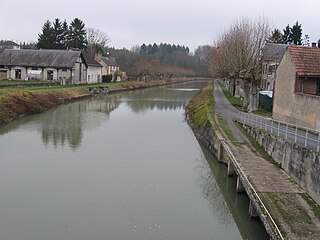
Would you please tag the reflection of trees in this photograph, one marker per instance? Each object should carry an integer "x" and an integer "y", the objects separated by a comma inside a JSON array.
[
  {"x": 161, "y": 98},
  {"x": 66, "y": 123}
]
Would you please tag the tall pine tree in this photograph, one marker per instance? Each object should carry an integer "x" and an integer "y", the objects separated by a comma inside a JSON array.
[
  {"x": 46, "y": 39},
  {"x": 296, "y": 34},
  {"x": 77, "y": 34}
]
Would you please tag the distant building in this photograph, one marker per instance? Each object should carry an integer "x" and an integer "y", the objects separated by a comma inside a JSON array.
[
  {"x": 9, "y": 45},
  {"x": 297, "y": 89},
  {"x": 109, "y": 65},
  {"x": 72, "y": 67},
  {"x": 271, "y": 57}
]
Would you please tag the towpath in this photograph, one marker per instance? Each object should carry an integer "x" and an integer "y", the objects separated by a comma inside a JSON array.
[{"x": 281, "y": 195}]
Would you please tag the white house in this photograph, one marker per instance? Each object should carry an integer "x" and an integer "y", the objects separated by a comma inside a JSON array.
[{"x": 66, "y": 66}]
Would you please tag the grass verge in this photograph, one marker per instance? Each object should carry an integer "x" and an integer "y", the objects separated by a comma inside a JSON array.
[
  {"x": 201, "y": 107},
  {"x": 237, "y": 102},
  {"x": 225, "y": 128}
]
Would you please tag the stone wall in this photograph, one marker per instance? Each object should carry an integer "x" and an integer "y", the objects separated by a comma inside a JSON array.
[{"x": 300, "y": 163}]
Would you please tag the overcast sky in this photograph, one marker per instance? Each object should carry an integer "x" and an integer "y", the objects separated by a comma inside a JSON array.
[{"x": 133, "y": 22}]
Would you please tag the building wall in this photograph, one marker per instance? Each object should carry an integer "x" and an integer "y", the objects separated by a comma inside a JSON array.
[
  {"x": 291, "y": 107},
  {"x": 79, "y": 72},
  {"x": 268, "y": 75},
  {"x": 94, "y": 74}
]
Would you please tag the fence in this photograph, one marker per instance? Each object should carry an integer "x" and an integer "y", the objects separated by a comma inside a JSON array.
[{"x": 309, "y": 138}]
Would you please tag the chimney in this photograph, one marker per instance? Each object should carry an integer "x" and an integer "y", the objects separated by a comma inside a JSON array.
[
  {"x": 314, "y": 45},
  {"x": 98, "y": 57}
]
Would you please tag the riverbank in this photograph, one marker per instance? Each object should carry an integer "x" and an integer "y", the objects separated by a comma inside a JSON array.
[
  {"x": 274, "y": 197},
  {"x": 15, "y": 103}
]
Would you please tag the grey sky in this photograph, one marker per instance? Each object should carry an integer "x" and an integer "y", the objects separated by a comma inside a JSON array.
[{"x": 133, "y": 22}]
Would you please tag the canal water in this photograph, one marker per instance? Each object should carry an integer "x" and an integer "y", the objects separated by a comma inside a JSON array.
[{"x": 124, "y": 166}]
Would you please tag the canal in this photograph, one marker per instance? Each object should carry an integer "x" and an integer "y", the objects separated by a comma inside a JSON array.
[{"x": 124, "y": 166}]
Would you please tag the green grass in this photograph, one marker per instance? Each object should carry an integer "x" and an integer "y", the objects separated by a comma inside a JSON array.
[
  {"x": 225, "y": 127},
  {"x": 19, "y": 82},
  {"x": 237, "y": 102},
  {"x": 201, "y": 107},
  {"x": 60, "y": 87}
]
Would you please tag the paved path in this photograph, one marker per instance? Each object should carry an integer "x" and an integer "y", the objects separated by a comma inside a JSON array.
[
  {"x": 281, "y": 195},
  {"x": 227, "y": 111}
]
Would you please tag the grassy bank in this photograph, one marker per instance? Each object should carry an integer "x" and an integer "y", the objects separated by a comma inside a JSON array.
[
  {"x": 235, "y": 101},
  {"x": 15, "y": 102},
  {"x": 201, "y": 107}
]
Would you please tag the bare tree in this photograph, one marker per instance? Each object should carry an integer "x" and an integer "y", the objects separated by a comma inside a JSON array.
[
  {"x": 97, "y": 40},
  {"x": 236, "y": 55}
]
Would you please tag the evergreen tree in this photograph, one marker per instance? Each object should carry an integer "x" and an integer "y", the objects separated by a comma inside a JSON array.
[
  {"x": 77, "y": 34},
  {"x": 296, "y": 34},
  {"x": 143, "y": 49},
  {"x": 46, "y": 39},
  {"x": 287, "y": 35},
  {"x": 276, "y": 36},
  {"x": 59, "y": 34}
]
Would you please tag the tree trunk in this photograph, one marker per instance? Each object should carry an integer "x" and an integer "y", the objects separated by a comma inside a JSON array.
[
  {"x": 246, "y": 89},
  {"x": 253, "y": 97}
]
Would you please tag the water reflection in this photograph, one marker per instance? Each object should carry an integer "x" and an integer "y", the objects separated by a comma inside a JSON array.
[
  {"x": 214, "y": 179},
  {"x": 65, "y": 125}
]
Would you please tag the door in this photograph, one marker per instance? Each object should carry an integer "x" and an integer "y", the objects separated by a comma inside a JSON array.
[
  {"x": 50, "y": 75},
  {"x": 17, "y": 74}
]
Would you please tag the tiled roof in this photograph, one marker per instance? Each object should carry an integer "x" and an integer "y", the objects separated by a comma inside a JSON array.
[
  {"x": 39, "y": 58},
  {"x": 306, "y": 60},
  {"x": 273, "y": 51}
]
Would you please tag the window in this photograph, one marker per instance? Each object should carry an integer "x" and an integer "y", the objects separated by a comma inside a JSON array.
[
  {"x": 308, "y": 85},
  {"x": 34, "y": 68},
  {"x": 272, "y": 69},
  {"x": 64, "y": 69}
]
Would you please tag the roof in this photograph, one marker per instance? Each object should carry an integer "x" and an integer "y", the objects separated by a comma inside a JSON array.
[
  {"x": 273, "y": 51},
  {"x": 110, "y": 61},
  {"x": 89, "y": 60},
  {"x": 306, "y": 60},
  {"x": 39, "y": 58},
  {"x": 8, "y": 43}
]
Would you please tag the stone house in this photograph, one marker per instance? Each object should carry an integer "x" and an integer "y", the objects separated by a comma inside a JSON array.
[
  {"x": 109, "y": 65},
  {"x": 65, "y": 66},
  {"x": 272, "y": 54},
  {"x": 297, "y": 90}
]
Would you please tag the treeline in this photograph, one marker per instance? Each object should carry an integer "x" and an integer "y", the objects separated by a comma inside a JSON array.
[
  {"x": 289, "y": 35},
  {"x": 162, "y": 60}
]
